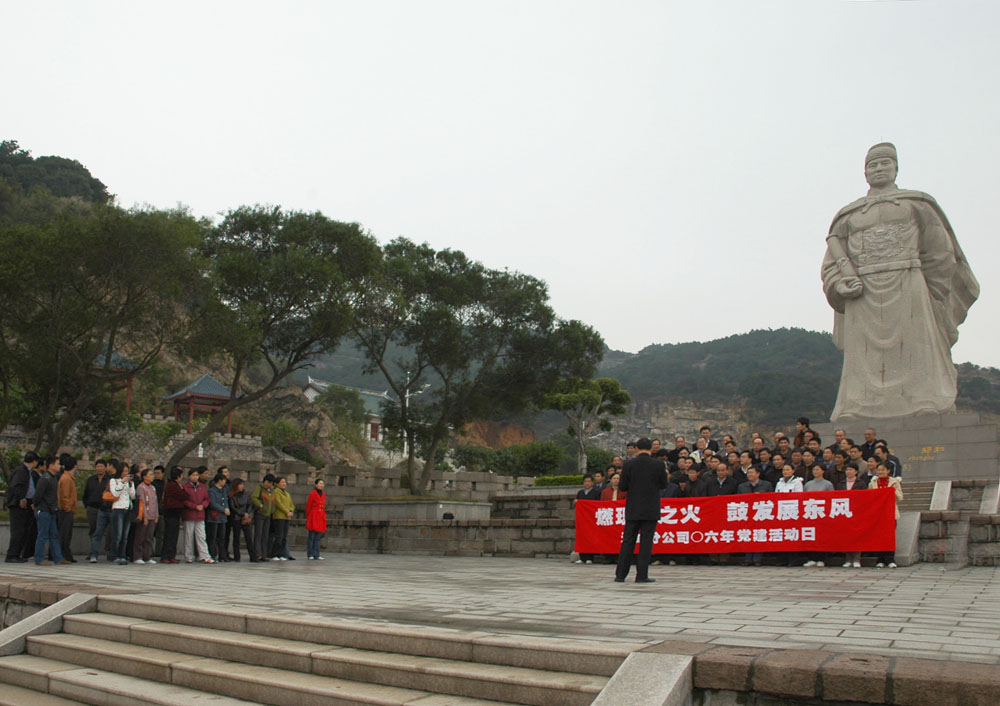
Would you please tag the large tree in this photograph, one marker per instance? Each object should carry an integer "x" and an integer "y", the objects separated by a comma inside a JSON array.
[
  {"x": 86, "y": 302},
  {"x": 284, "y": 286},
  {"x": 587, "y": 404},
  {"x": 457, "y": 341}
]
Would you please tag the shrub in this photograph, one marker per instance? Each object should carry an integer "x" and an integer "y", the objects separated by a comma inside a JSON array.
[{"x": 546, "y": 481}]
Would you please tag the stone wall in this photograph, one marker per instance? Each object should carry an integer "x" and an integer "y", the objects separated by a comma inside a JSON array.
[
  {"x": 516, "y": 538},
  {"x": 548, "y": 506}
]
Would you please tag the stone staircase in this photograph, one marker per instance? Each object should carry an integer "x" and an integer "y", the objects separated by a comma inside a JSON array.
[
  {"x": 136, "y": 651},
  {"x": 916, "y": 496}
]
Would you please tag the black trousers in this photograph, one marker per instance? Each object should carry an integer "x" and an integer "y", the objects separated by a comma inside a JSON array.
[
  {"x": 634, "y": 529},
  {"x": 279, "y": 537},
  {"x": 216, "y": 532},
  {"x": 235, "y": 529},
  {"x": 66, "y": 534},
  {"x": 19, "y": 532},
  {"x": 261, "y": 536},
  {"x": 30, "y": 535},
  {"x": 225, "y": 543},
  {"x": 171, "y": 531}
]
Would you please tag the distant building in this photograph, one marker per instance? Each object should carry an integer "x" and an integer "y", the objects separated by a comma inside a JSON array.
[
  {"x": 204, "y": 396},
  {"x": 374, "y": 431}
]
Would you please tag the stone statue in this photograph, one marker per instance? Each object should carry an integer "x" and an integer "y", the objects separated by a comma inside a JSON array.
[{"x": 899, "y": 285}]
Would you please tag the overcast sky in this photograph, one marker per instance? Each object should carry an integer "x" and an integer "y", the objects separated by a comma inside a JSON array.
[{"x": 670, "y": 169}]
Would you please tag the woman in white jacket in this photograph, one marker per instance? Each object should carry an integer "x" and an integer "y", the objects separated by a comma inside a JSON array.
[
  {"x": 124, "y": 492},
  {"x": 789, "y": 483}
]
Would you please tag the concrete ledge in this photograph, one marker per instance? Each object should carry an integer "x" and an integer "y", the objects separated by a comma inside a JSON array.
[
  {"x": 908, "y": 539},
  {"x": 650, "y": 679},
  {"x": 991, "y": 499},
  {"x": 821, "y": 676},
  {"x": 44, "y": 622},
  {"x": 941, "y": 499}
]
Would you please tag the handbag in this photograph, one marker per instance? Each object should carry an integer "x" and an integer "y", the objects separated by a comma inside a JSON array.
[{"x": 108, "y": 496}]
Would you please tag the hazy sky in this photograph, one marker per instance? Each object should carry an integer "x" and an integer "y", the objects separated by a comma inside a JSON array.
[{"x": 670, "y": 169}]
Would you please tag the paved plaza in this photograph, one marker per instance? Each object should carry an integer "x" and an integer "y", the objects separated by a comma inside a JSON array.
[{"x": 924, "y": 610}]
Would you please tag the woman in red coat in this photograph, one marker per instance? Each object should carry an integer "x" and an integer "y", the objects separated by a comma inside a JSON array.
[{"x": 315, "y": 519}]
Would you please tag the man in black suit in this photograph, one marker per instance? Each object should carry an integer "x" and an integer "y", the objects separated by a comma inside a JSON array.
[
  {"x": 868, "y": 448},
  {"x": 21, "y": 513},
  {"x": 722, "y": 483},
  {"x": 643, "y": 478}
]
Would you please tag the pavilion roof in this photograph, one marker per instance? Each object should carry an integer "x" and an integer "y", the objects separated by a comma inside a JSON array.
[{"x": 205, "y": 386}]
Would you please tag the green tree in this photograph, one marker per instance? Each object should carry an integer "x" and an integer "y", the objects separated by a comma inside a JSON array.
[
  {"x": 87, "y": 302},
  {"x": 535, "y": 459},
  {"x": 474, "y": 458},
  {"x": 59, "y": 175},
  {"x": 587, "y": 404},
  {"x": 284, "y": 286},
  {"x": 347, "y": 411},
  {"x": 470, "y": 343}
]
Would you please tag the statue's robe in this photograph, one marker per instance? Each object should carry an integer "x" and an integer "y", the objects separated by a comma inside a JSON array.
[{"x": 917, "y": 289}]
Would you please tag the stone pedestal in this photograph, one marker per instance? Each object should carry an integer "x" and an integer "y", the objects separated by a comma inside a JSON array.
[{"x": 932, "y": 447}]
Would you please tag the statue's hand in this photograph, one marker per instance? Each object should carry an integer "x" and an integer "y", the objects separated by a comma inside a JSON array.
[{"x": 849, "y": 288}]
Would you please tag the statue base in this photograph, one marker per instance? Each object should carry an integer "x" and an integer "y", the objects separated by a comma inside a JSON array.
[{"x": 931, "y": 446}]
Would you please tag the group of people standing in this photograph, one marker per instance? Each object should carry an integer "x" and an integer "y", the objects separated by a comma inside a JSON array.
[
  {"x": 136, "y": 513},
  {"x": 649, "y": 472}
]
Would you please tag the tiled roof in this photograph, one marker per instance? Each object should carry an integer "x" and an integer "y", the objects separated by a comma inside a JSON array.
[
  {"x": 206, "y": 385},
  {"x": 371, "y": 399}
]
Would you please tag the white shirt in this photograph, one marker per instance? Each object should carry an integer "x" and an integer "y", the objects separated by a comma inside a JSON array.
[
  {"x": 124, "y": 492},
  {"x": 788, "y": 485}
]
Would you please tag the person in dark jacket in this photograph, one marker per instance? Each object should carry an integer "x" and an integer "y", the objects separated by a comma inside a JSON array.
[
  {"x": 93, "y": 492},
  {"x": 241, "y": 518},
  {"x": 172, "y": 507},
  {"x": 46, "y": 504},
  {"x": 754, "y": 484},
  {"x": 20, "y": 510},
  {"x": 722, "y": 483},
  {"x": 589, "y": 491},
  {"x": 160, "y": 483},
  {"x": 696, "y": 487},
  {"x": 642, "y": 478},
  {"x": 217, "y": 517}
]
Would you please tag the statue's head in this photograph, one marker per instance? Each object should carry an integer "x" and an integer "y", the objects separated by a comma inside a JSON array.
[{"x": 881, "y": 164}]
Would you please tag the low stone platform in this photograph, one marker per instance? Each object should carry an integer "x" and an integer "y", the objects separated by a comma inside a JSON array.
[{"x": 932, "y": 446}]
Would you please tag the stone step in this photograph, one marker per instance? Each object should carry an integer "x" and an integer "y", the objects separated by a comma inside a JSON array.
[
  {"x": 258, "y": 684},
  {"x": 586, "y": 657},
  {"x": 19, "y": 696},
  {"x": 445, "y": 676},
  {"x": 37, "y": 681}
]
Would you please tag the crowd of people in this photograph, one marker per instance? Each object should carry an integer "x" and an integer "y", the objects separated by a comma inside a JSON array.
[
  {"x": 800, "y": 464},
  {"x": 137, "y": 513}
]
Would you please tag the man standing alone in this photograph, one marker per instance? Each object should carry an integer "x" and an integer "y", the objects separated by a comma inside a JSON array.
[{"x": 642, "y": 478}]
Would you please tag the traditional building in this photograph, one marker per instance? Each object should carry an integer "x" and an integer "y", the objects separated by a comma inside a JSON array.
[
  {"x": 205, "y": 395},
  {"x": 374, "y": 431}
]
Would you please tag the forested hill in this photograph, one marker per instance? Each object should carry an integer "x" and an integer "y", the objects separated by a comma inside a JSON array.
[
  {"x": 62, "y": 177},
  {"x": 774, "y": 373}
]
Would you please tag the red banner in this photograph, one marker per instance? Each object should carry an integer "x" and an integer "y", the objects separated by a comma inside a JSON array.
[{"x": 829, "y": 521}]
